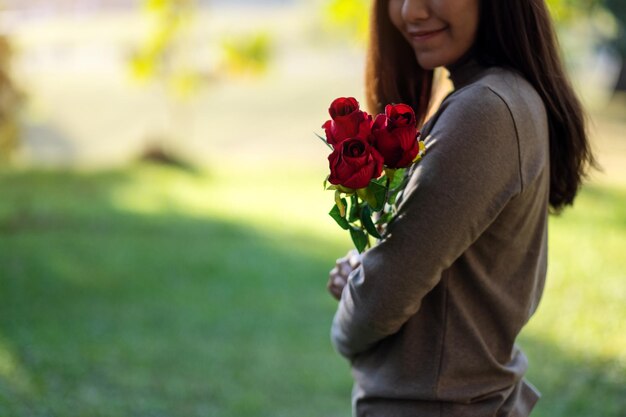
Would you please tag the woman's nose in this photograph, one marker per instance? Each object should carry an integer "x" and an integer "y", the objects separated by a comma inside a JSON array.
[{"x": 415, "y": 10}]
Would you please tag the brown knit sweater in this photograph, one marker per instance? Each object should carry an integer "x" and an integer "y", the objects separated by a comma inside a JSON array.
[{"x": 429, "y": 320}]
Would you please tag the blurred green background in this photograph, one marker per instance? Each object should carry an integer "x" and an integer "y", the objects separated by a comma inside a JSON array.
[{"x": 164, "y": 243}]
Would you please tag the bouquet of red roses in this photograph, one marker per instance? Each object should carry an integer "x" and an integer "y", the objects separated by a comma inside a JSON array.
[{"x": 367, "y": 163}]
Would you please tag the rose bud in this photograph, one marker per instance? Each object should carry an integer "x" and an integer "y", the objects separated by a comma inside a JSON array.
[
  {"x": 395, "y": 136},
  {"x": 354, "y": 163},
  {"x": 347, "y": 121},
  {"x": 400, "y": 115}
]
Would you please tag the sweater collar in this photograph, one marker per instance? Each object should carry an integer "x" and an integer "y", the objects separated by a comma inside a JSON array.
[{"x": 464, "y": 71}]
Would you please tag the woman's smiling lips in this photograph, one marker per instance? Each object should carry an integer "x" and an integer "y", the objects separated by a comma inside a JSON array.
[{"x": 424, "y": 35}]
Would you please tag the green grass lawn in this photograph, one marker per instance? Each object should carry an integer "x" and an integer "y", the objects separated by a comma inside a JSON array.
[{"x": 151, "y": 291}]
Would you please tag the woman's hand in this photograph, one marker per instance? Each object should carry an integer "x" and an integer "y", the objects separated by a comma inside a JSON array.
[{"x": 338, "y": 276}]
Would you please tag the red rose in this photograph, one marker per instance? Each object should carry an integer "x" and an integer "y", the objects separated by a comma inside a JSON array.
[
  {"x": 354, "y": 163},
  {"x": 395, "y": 135},
  {"x": 347, "y": 121},
  {"x": 400, "y": 115}
]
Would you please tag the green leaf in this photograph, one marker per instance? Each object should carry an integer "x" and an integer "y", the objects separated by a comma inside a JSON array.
[
  {"x": 399, "y": 182},
  {"x": 353, "y": 213},
  {"x": 366, "y": 195},
  {"x": 359, "y": 238},
  {"x": 380, "y": 181},
  {"x": 366, "y": 220},
  {"x": 393, "y": 195},
  {"x": 379, "y": 193},
  {"x": 324, "y": 140},
  {"x": 398, "y": 178},
  {"x": 335, "y": 213}
]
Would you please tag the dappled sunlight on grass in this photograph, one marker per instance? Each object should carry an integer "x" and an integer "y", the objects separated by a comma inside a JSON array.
[
  {"x": 583, "y": 306},
  {"x": 575, "y": 342},
  {"x": 11, "y": 369},
  {"x": 159, "y": 291},
  {"x": 164, "y": 313},
  {"x": 284, "y": 200}
]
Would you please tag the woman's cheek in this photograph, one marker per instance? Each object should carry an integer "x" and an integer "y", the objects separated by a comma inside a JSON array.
[{"x": 395, "y": 13}]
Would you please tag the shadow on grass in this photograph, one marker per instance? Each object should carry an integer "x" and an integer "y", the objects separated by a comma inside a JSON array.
[
  {"x": 105, "y": 312},
  {"x": 110, "y": 313}
]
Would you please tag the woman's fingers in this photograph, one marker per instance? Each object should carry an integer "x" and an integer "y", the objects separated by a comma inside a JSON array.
[
  {"x": 354, "y": 259},
  {"x": 338, "y": 276},
  {"x": 336, "y": 282},
  {"x": 344, "y": 268}
]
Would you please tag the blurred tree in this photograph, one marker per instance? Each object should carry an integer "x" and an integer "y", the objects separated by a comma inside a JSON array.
[
  {"x": 161, "y": 57},
  {"x": 618, "y": 8},
  {"x": 11, "y": 99},
  {"x": 249, "y": 54},
  {"x": 167, "y": 57},
  {"x": 569, "y": 12}
]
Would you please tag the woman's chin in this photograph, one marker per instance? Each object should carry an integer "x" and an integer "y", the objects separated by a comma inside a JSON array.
[
  {"x": 427, "y": 62},
  {"x": 432, "y": 60}
]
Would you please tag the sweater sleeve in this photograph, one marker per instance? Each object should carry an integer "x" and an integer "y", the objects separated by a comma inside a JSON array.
[{"x": 470, "y": 171}]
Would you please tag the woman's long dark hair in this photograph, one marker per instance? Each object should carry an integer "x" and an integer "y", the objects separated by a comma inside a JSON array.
[{"x": 516, "y": 34}]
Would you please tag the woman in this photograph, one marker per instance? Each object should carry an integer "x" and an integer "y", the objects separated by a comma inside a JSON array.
[{"x": 428, "y": 318}]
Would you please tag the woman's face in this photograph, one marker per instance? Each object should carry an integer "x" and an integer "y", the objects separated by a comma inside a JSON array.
[{"x": 440, "y": 31}]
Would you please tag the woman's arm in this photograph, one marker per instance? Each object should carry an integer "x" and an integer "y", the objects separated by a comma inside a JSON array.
[{"x": 470, "y": 171}]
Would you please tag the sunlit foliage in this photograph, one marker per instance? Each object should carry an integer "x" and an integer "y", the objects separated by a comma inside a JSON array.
[
  {"x": 166, "y": 55},
  {"x": 349, "y": 17},
  {"x": 161, "y": 56},
  {"x": 248, "y": 54},
  {"x": 168, "y": 58},
  {"x": 567, "y": 10}
]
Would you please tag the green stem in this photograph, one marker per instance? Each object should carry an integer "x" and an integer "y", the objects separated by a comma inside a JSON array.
[
  {"x": 367, "y": 235},
  {"x": 342, "y": 208},
  {"x": 388, "y": 185}
]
